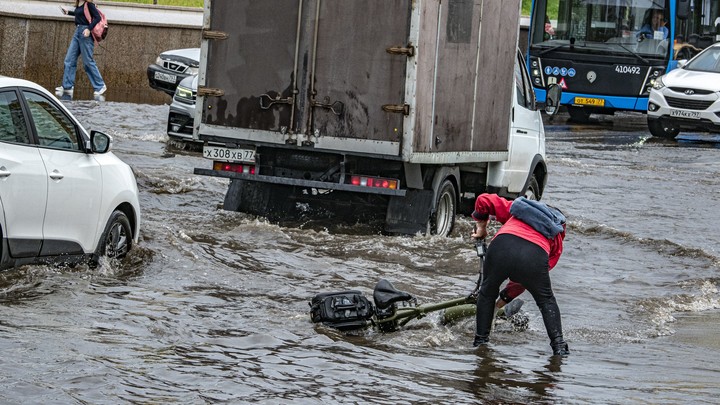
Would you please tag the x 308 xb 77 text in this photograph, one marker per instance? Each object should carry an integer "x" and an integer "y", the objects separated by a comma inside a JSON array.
[{"x": 242, "y": 155}]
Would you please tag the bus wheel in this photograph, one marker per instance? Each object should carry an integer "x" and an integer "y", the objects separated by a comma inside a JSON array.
[
  {"x": 660, "y": 129},
  {"x": 579, "y": 114},
  {"x": 443, "y": 220}
]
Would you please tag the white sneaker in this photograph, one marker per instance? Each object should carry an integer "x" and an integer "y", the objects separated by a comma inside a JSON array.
[
  {"x": 101, "y": 91},
  {"x": 63, "y": 90}
]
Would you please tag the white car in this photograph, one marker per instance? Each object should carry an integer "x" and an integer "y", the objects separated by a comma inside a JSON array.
[
  {"x": 63, "y": 196},
  {"x": 687, "y": 98}
]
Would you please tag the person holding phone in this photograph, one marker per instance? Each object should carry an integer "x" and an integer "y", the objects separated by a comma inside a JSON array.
[{"x": 82, "y": 44}]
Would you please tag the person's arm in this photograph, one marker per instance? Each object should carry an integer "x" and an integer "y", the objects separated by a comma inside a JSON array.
[
  {"x": 511, "y": 291},
  {"x": 645, "y": 32},
  {"x": 491, "y": 204},
  {"x": 94, "y": 14},
  {"x": 556, "y": 249}
]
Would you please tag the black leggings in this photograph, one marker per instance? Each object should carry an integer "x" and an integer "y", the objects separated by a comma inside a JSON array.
[{"x": 524, "y": 262}]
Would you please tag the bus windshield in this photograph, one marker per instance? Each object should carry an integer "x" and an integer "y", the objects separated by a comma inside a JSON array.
[{"x": 638, "y": 27}]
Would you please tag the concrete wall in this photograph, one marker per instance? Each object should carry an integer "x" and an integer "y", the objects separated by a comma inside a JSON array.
[{"x": 34, "y": 36}]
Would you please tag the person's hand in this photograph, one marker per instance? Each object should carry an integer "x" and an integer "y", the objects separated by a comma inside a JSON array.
[
  {"x": 63, "y": 10},
  {"x": 86, "y": 32},
  {"x": 480, "y": 231}
]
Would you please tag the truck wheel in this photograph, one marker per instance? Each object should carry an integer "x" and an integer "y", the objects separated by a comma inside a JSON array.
[
  {"x": 579, "y": 114},
  {"x": 533, "y": 190},
  {"x": 443, "y": 219},
  {"x": 660, "y": 129}
]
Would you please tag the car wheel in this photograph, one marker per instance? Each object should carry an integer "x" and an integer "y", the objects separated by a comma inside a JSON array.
[
  {"x": 579, "y": 114},
  {"x": 116, "y": 240},
  {"x": 533, "y": 190},
  {"x": 661, "y": 129},
  {"x": 443, "y": 220}
]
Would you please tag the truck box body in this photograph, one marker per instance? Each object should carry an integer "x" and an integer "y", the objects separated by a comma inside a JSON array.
[
  {"x": 314, "y": 54},
  {"x": 415, "y": 90}
]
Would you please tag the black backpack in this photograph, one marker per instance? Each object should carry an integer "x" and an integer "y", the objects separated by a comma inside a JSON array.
[{"x": 345, "y": 310}]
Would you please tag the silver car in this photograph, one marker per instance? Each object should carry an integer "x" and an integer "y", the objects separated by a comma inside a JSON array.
[
  {"x": 171, "y": 67},
  {"x": 182, "y": 110},
  {"x": 687, "y": 98}
]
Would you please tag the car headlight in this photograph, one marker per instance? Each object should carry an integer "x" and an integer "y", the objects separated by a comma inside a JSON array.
[
  {"x": 657, "y": 83},
  {"x": 183, "y": 92},
  {"x": 192, "y": 70},
  {"x": 159, "y": 61}
]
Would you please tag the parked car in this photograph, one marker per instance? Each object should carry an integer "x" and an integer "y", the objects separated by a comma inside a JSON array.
[
  {"x": 182, "y": 110},
  {"x": 687, "y": 98},
  {"x": 63, "y": 195},
  {"x": 171, "y": 67}
]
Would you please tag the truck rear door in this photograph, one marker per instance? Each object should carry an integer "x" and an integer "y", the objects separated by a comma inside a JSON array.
[{"x": 311, "y": 72}]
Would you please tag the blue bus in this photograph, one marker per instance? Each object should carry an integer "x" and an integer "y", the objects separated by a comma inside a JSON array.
[{"x": 605, "y": 54}]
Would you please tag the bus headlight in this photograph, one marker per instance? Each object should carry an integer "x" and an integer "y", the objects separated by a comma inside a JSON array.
[{"x": 657, "y": 83}]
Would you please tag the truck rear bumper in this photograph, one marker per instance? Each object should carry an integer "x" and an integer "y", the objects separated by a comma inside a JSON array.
[{"x": 300, "y": 182}]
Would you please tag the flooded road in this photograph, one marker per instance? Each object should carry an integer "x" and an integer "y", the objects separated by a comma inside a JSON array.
[{"x": 212, "y": 306}]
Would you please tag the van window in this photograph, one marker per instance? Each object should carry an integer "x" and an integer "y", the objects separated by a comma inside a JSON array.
[{"x": 525, "y": 95}]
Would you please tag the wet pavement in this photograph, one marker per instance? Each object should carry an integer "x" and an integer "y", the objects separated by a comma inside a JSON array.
[{"x": 212, "y": 306}]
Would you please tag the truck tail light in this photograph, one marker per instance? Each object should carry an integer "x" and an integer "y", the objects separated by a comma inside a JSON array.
[
  {"x": 377, "y": 182},
  {"x": 234, "y": 167}
]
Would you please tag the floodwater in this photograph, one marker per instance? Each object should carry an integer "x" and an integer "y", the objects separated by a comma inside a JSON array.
[{"x": 212, "y": 306}]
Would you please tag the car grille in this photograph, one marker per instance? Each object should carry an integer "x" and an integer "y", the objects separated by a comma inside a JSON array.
[
  {"x": 688, "y": 104},
  {"x": 175, "y": 66},
  {"x": 694, "y": 91}
]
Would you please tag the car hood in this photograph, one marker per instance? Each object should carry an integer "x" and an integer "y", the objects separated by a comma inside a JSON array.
[
  {"x": 188, "y": 53},
  {"x": 692, "y": 79},
  {"x": 190, "y": 82}
]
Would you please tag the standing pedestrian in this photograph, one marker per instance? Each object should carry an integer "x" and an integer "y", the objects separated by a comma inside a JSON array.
[
  {"x": 82, "y": 43},
  {"x": 524, "y": 249}
]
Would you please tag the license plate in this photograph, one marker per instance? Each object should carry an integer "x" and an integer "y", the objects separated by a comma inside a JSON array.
[
  {"x": 685, "y": 114},
  {"x": 595, "y": 102},
  {"x": 165, "y": 77},
  {"x": 227, "y": 154}
]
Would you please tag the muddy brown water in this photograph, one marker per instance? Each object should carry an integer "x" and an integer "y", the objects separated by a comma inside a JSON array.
[{"x": 212, "y": 306}]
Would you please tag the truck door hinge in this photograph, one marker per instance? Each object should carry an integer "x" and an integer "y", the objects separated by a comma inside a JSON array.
[
  {"x": 408, "y": 51},
  {"x": 336, "y": 107},
  {"x": 403, "y": 109},
  {"x": 208, "y": 34},
  {"x": 276, "y": 100},
  {"x": 210, "y": 92}
]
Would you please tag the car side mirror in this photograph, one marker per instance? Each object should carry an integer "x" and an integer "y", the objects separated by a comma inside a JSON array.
[
  {"x": 552, "y": 99},
  {"x": 100, "y": 142},
  {"x": 681, "y": 63}
]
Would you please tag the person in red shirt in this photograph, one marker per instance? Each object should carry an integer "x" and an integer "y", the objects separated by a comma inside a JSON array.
[{"x": 527, "y": 245}]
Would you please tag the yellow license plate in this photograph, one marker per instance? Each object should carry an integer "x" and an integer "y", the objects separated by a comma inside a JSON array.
[{"x": 596, "y": 102}]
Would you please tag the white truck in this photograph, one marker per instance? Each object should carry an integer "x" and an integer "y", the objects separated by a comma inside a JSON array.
[{"x": 404, "y": 110}]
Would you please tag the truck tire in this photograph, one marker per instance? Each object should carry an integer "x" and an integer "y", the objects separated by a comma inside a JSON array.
[
  {"x": 533, "y": 190},
  {"x": 442, "y": 220},
  {"x": 661, "y": 129}
]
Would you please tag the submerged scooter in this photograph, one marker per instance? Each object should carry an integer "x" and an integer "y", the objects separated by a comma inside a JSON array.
[{"x": 392, "y": 309}]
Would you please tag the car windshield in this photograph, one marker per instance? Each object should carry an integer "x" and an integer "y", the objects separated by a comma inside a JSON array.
[
  {"x": 618, "y": 26},
  {"x": 708, "y": 61}
]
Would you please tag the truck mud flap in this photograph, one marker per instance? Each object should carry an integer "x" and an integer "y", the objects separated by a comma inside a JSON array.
[{"x": 410, "y": 214}]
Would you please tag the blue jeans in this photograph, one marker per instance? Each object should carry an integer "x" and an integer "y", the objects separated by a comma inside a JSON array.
[{"x": 80, "y": 45}]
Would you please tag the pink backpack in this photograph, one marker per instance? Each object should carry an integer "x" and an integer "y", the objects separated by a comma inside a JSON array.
[{"x": 101, "y": 29}]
